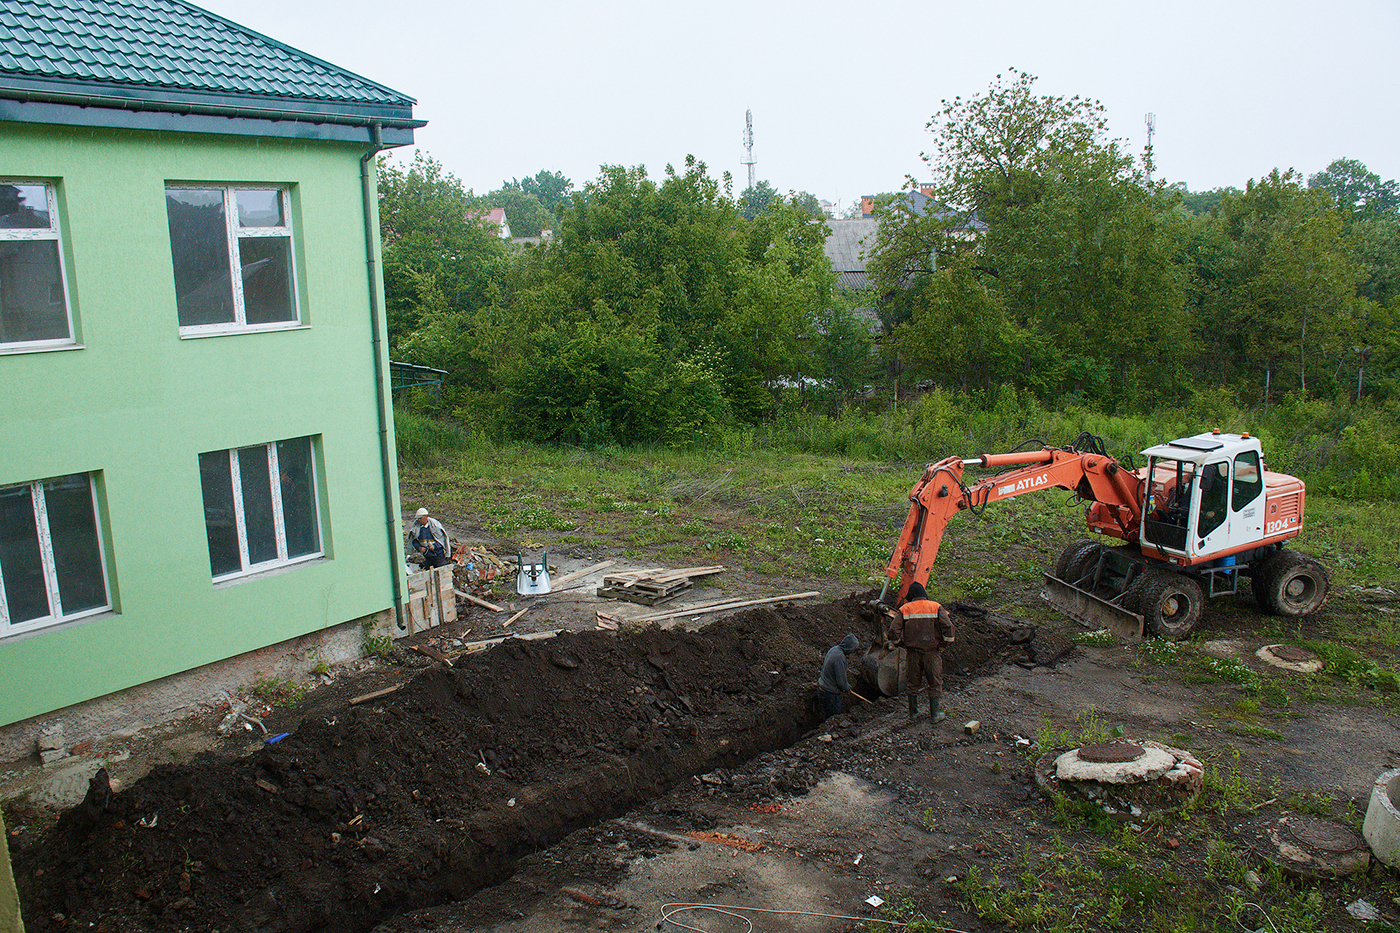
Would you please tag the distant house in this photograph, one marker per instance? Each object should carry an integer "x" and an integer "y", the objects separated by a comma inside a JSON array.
[
  {"x": 493, "y": 219},
  {"x": 198, "y": 456},
  {"x": 848, "y": 246}
]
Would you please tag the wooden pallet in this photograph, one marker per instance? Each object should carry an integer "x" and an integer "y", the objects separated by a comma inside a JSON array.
[
  {"x": 646, "y": 596},
  {"x": 652, "y": 586}
]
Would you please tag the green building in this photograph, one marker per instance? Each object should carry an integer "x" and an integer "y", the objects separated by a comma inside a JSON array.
[{"x": 197, "y": 454}]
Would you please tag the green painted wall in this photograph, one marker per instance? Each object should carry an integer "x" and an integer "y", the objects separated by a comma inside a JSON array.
[{"x": 139, "y": 404}]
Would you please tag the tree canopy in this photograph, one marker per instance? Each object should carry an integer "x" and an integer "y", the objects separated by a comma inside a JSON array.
[{"x": 1044, "y": 263}]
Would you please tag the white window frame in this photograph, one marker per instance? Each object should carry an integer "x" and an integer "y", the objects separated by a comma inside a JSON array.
[
  {"x": 279, "y": 523},
  {"x": 41, "y": 522},
  {"x": 240, "y": 325},
  {"x": 54, "y": 233}
]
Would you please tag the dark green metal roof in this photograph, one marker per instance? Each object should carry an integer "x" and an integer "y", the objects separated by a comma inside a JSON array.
[{"x": 172, "y": 56}]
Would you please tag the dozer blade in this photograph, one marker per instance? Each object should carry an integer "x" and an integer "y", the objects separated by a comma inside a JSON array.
[{"x": 1090, "y": 610}]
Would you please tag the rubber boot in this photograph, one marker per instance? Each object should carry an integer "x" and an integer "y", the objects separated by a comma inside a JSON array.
[
  {"x": 933, "y": 713},
  {"x": 913, "y": 706}
]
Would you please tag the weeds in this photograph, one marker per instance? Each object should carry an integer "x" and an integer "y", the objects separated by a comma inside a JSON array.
[
  {"x": 276, "y": 692},
  {"x": 379, "y": 646}
]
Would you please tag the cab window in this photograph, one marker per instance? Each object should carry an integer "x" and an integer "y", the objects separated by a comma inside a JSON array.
[{"x": 1249, "y": 480}]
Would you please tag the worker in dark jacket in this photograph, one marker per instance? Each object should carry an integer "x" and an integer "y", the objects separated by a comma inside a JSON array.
[
  {"x": 923, "y": 629},
  {"x": 833, "y": 684}
]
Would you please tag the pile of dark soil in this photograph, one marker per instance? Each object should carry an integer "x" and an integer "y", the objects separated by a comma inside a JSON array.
[{"x": 434, "y": 792}]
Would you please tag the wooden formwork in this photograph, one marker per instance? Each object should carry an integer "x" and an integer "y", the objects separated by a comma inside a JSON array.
[{"x": 431, "y": 601}]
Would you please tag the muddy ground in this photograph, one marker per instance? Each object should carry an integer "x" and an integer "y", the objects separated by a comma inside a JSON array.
[{"x": 590, "y": 780}]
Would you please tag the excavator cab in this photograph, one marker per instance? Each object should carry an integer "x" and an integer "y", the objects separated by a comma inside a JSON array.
[{"x": 1202, "y": 496}]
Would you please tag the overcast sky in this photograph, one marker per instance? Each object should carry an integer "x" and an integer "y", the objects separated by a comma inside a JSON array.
[{"x": 841, "y": 92}]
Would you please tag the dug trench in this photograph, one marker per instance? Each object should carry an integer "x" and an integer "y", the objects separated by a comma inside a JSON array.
[{"x": 436, "y": 791}]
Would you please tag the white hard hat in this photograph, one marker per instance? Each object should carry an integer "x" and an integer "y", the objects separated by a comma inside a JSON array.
[{"x": 420, "y": 513}]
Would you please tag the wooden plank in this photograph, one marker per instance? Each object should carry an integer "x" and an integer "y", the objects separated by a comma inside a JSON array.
[
  {"x": 516, "y": 616},
  {"x": 725, "y": 607},
  {"x": 474, "y": 646},
  {"x": 433, "y": 653},
  {"x": 568, "y": 577},
  {"x": 366, "y": 697},
  {"x": 479, "y": 602}
]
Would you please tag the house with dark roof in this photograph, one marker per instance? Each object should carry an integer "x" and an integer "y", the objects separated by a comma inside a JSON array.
[{"x": 198, "y": 462}]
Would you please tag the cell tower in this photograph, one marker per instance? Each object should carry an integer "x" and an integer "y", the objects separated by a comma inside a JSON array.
[
  {"x": 1151, "y": 121},
  {"x": 748, "y": 144}
]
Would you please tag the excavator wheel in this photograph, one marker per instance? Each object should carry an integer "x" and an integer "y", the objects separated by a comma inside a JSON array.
[
  {"x": 1291, "y": 584},
  {"x": 1077, "y": 561},
  {"x": 1169, "y": 603}
]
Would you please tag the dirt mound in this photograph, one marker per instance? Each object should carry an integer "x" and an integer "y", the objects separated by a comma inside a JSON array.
[{"x": 435, "y": 791}]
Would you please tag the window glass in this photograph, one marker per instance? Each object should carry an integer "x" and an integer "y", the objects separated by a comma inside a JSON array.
[
  {"x": 220, "y": 516},
  {"x": 260, "y": 208},
  {"x": 33, "y": 294},
  {"x": 1249, "y": 480},
  {"x": 21, "y": 561},
  {"x": 32, "y": 305},
  {"x": 24, "y": 207},
  {"x": 298, "y": 497},
  {"x": 51, "y": 561},
  {"x": 1215, "y": 491},
  {"x": 211, "y": 228},
  {"x": 267, "y": 279},
  {"x": 199, "y": 250},
  {"x": 267, "y": 522},
  {"x": 257, "y": 505},
  {"x": 77, "y": 557}
]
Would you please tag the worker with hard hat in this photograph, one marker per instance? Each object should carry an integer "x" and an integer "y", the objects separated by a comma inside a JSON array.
[{"x": 429, "y": 539}]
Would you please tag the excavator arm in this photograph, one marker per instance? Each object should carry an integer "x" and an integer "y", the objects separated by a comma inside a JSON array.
[{"x": 940, "y": 494}]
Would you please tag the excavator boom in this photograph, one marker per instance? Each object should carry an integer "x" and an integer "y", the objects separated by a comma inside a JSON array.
[{"x": 941, "y": 494}]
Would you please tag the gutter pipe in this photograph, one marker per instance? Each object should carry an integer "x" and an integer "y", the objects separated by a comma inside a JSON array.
[
  {"x": 381, "y": 376},
  {"x": 115, "y": 102}
]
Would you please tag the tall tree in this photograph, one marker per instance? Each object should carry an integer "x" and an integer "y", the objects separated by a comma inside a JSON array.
[
  {"x": 1045, "y": 219},
  {"x": 1356, "y": 189},
  {"x": 552, "y": 189},
  {"x": 1284, "y": 284},
  {"x": 436, "y": 258}
]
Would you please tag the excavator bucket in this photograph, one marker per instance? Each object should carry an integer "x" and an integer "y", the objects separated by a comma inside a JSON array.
[{"x": 1089, "y": 610}]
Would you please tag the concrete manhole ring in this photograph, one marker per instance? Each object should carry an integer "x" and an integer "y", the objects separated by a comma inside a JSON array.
[
  {"x": 1290, "y": 658},
  {"x": 1131, "y": 779},
  {"x": 1309, "y": 847}
]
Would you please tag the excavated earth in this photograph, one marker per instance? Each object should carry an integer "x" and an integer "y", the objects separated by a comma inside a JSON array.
[
  {"x": 430, "y": 794},
  {"x": 596, "y": 780}
]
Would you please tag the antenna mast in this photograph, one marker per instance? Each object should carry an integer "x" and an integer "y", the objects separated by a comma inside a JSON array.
[
  {"x": 748, "y": 144},
  {"x": 1151, "y": 121}
]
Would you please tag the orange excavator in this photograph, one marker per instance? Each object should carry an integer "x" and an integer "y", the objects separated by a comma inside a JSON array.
[{"x": 1203, "y": 513}]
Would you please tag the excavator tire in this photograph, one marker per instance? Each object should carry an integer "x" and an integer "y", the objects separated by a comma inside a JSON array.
[
  {"x": 1077, "y": 560},
  {"x": 1169, "y": 603},
  {"x": 1291, "y": 584}
]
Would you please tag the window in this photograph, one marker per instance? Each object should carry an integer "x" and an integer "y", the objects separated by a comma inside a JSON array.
[
  {"x": 51, "y": 562},
  {"x": 33, "y": 288},
  {"x": 214, "y": 230},
  {"x": 260, "y": 506},
  {"x": 1248, "y": 484}
]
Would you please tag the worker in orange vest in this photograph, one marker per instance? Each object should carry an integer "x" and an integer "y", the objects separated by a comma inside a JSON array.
[{"x": 923, "y": 629}]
